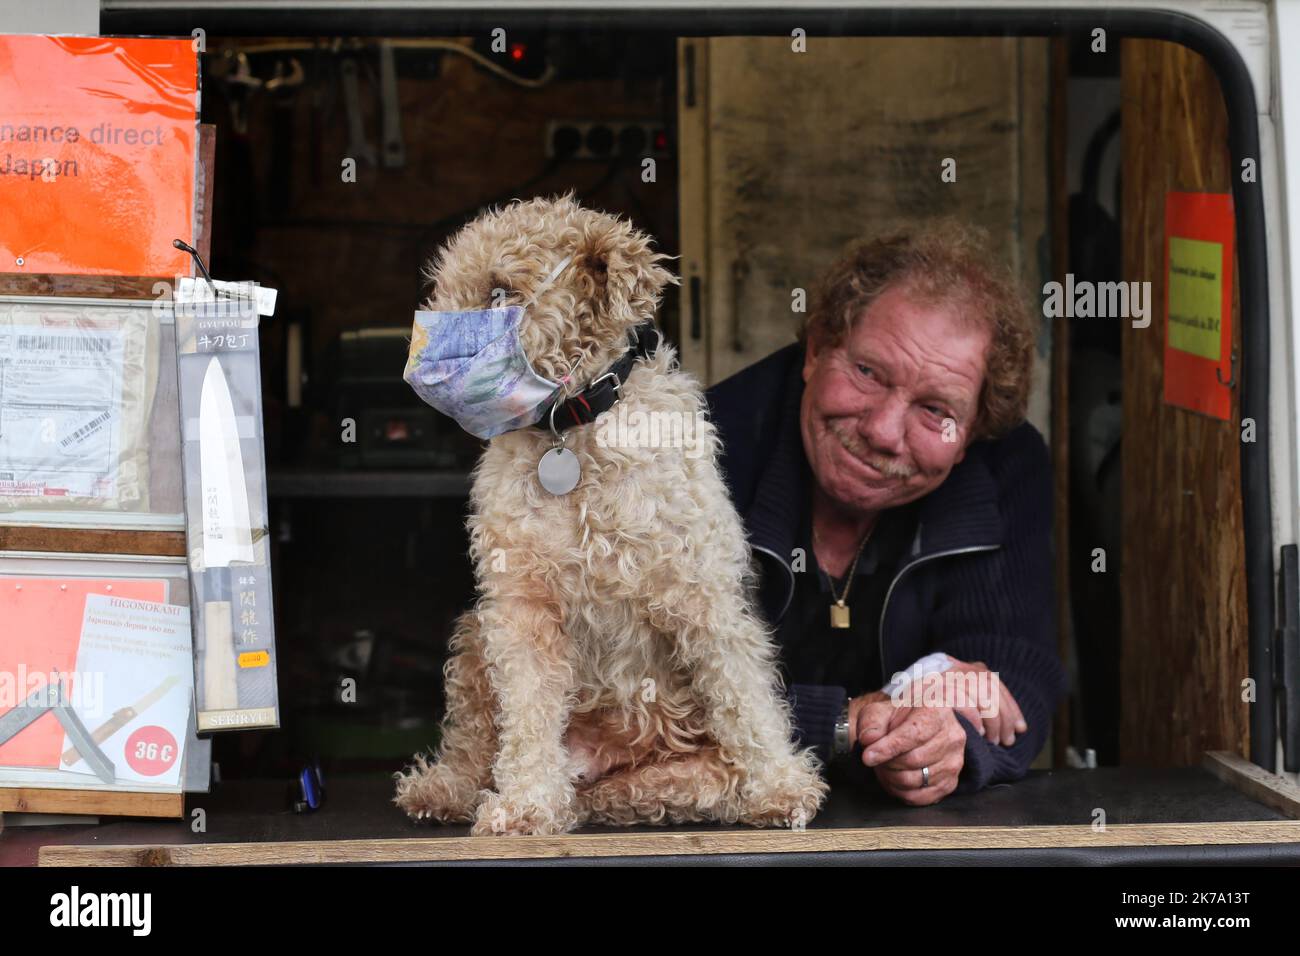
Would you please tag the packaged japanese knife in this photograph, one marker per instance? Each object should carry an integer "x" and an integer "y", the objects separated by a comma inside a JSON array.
[{"x": 224, "y": 467}]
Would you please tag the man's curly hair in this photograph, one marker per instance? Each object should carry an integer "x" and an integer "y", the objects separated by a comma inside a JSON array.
[{"x": 943, "y": 262}]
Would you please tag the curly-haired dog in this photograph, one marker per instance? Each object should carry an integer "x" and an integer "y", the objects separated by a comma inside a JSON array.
[{"x": 613, "y": 627}]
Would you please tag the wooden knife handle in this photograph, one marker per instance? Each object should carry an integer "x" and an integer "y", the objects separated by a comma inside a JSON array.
[
  {"x": 105, "y": 730},
  {"x": 220, "y": 691}
]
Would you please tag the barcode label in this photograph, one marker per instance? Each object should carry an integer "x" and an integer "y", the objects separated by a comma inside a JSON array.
[
  {"x": 85, "y": 429},
  {"x": 72, "y": 343}
]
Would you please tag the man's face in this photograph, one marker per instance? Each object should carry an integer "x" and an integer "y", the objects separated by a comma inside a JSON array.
[{"x": 888, "y": 412}]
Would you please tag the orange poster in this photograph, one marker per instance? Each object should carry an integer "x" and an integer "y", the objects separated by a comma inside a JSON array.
[
  {"x": 1198, "y": 302},
  {"x": 97, "y": 154},
  {"x": 41, "y": 633}
]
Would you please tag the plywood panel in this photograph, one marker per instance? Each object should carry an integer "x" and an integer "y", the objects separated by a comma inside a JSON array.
[
  {"x": 416, "y": 850},
  {"x": 809, "y": 151},
  {"x": 1184, "y": 640},
  {"x": 1270, "y": 789}
]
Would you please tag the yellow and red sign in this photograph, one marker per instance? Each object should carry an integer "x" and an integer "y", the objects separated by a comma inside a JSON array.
[
  {"x": 97, "y": 154},
  {"x": 1199, "y": 234}
]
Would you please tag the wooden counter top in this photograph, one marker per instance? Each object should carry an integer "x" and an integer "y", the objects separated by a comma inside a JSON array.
[{"x": 248, "y": 823}]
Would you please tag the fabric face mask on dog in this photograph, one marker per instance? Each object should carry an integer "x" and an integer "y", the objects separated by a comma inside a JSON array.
[{"x": 471, "y": 366}]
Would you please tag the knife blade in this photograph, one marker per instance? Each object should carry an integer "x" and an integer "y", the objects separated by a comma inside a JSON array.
[
  {"x": 226, "y": 533},
  {"x": 38, "y": 704},
  {"x": 22, "y": 716}
]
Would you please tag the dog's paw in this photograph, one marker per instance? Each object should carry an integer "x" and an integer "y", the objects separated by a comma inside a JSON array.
[
  {"x": 789, "y": 797},
  {"x": 432, "y": 791},
  {"x": 501, "y": 816}
]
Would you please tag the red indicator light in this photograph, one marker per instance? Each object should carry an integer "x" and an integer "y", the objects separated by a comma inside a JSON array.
[{"x": 518, "y": 51}]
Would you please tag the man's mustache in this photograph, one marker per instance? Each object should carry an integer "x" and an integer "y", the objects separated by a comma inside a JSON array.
[{"x": 890, "y": 467}]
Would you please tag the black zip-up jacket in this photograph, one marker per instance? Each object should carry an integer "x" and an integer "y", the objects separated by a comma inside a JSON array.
[{"x": 976, "y": 583}]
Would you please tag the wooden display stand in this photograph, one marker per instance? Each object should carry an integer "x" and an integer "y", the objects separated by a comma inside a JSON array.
[
  {"x": 94, "y": 802},
  {"x": 78, "y": 541}
]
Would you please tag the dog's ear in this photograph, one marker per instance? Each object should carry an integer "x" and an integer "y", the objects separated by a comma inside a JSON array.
[
  {"x": 624, "y": 283},
  {"x": 499, "y": 288},
  {"x": 655, "y": 277},
  {"x": 594, "y": 263},
  {"x": 613, "y": 279},
  {"x": 597, "y": 264}
]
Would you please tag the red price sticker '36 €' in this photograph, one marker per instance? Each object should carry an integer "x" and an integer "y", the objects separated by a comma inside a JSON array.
[{"x": 151, "y": 751}]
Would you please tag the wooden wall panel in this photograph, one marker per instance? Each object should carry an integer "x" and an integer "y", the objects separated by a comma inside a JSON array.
[
  {"x": 806, "y": 152},
  {"x": 1184, "y": 641}
]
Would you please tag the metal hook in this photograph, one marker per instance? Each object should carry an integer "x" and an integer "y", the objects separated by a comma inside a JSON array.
[
  {"x": 243, "y": 71},
  {"x": 198, "y": 260},
  {"x": 1232, "y": 376},
  {"x": 279, "y": 80},
  {"x": 559, "y": 435},
  {"x": 568, "y": 387}
]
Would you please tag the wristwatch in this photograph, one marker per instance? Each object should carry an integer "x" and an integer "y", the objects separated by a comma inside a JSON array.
[{"x": 842, "y": 745}]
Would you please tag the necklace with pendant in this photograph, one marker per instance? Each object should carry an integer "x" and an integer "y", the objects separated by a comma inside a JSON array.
[{"x": 839, "y": 609}]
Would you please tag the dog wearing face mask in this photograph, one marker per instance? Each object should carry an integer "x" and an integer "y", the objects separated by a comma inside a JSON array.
[{"x": 612, "y": 669}]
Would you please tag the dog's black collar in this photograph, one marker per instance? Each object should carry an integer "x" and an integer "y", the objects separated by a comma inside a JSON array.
[{"x": 602, "y": 393}]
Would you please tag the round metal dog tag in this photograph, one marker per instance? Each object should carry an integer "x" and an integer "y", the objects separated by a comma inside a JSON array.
[{"x": 559, "y": 471}]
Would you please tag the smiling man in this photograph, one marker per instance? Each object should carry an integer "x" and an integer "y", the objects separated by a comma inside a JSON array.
[{"x": 900, "y": 507}]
